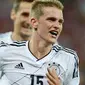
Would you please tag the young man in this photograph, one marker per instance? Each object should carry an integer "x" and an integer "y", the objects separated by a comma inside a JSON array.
[
  {"x": 20, "y": 16},
  {"x": 38, "y": 62}
]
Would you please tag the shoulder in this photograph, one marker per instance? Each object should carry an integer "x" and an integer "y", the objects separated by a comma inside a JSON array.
[
  {"x": 2, "y": 35},
  {"x": 66, "y": 51},
  {"x": 9, "y": 49},
  {"x": 15, "y": 47},
  {"x": 14, "y": 44},
  {"x": 18, "y": 44},
  {"x": 3, "y": 44},
  {"x": 6, "y": 37}
]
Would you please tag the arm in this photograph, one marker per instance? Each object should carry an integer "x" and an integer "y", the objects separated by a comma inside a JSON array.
[{"x": 73, "y": 77}]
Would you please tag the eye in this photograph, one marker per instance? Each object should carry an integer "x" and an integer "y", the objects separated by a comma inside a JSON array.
[
  {"x": 61, "y": 21},
  {"x": 25, "y": 14}
]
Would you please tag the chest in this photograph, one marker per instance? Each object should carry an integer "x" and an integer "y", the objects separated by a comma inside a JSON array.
[{"x": 24, "y": 68}]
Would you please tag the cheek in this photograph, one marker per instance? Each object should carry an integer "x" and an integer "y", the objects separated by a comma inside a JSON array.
[
  {"x": 44, "y": 28},
  {"x": 42, "y": 31},
  {"x": 60, "y": 30},
  {"x": 19, "y": 20}
]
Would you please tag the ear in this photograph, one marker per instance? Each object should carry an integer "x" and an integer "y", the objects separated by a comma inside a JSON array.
[
  {"x": 34, "y": 22},
  {"x": 13, "y": 15}
]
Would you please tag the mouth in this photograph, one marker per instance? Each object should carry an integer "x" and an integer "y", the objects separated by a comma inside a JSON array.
[
  {"x": 54, "y": 33},
  {"x": 26, "y": 26}
]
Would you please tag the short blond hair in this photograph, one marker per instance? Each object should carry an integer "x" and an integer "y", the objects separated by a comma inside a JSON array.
[
  {"x": 38, "y": 5},
  {"x": 16, "y": 3}
]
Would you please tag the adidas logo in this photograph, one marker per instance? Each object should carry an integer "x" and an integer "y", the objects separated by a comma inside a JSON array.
[{"x": 19, "y": 66}]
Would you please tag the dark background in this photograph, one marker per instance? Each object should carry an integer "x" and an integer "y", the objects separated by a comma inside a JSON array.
[{"x": 73, "y": 35}]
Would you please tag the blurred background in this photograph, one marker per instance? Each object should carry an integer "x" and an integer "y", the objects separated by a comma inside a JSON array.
[{"x": 73, "y": 34}]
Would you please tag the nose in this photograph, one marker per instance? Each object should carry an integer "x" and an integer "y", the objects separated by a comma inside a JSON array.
[{"x": 27, "y": 20}]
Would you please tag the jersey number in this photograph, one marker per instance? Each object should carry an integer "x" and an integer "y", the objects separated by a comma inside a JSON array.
[{"x": 36, "y": 80}]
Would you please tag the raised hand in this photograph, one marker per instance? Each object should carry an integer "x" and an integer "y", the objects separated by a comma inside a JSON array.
[{"x": 52, "y": 77}]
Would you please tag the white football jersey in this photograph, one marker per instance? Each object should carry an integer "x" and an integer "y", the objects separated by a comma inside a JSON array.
[
  {"x": 19, "y": 66},
  {"x": 6, "y": 37}
]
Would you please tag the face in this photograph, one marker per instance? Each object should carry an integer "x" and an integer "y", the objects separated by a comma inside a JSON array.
[
  {"x": 21, "y": 19},
  {"x": 50, "y": 24}
]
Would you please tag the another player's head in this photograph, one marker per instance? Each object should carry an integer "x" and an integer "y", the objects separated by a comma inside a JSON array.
[
  {"x": 47, "y": 19},
  {"x": 20, "y": 16}
]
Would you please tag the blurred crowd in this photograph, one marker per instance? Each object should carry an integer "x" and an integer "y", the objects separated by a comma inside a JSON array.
[{"x": 73, "y": 34}]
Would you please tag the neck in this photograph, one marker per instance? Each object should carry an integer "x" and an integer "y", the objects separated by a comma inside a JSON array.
[
  {"x": 17, "y": 37},
  {"x": 39, "y": 48}
]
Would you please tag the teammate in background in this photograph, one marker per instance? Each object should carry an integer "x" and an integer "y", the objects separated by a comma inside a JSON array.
[
  {"x": 20, "y": 16},
  {"x": 38, "y": 62}
]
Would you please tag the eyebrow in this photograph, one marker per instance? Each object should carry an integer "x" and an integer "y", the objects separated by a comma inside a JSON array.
[
  {"x": 53, "y": 18},
  {"x": 25, "y": 13}
]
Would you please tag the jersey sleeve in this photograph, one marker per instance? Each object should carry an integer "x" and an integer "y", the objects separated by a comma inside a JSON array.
[
  {"x": 1, "y": 36},
  {"x": 0, "y": 66},
  {"x": 2, "y": 51},
  {"x": 73, "y": 77}
]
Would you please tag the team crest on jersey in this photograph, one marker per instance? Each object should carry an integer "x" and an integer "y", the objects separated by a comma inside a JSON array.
[{"x": 59, "y": 69}]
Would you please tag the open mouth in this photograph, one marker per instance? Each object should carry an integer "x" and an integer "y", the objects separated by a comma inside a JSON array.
[
  {"x": 54, "y": 33},
  {"x": 25, "y": 25}
]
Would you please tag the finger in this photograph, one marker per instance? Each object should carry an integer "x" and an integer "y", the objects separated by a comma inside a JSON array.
[
  {"x": 50, "y": 82},
  {"x": 52, "y": 77},
  {"x": 52, "y": 72},
  {"x": 49, "y": 77}
]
